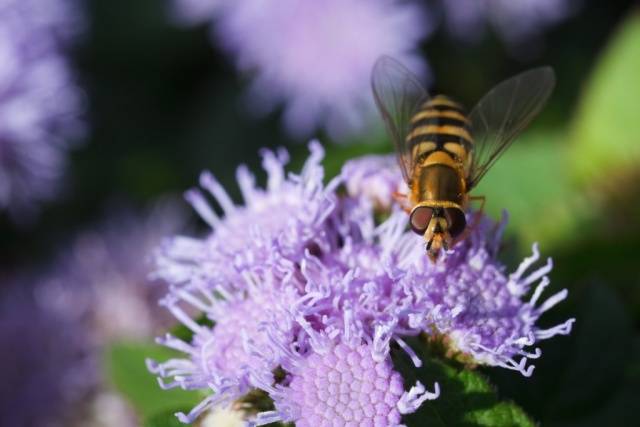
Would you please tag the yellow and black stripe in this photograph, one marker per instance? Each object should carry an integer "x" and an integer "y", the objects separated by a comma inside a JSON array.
[{"x": 441, "y": 124}]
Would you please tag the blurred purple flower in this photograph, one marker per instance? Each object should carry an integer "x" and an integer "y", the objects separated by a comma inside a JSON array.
[
  {"x": 46, "y": 364},
  {"x": 314, "y": 57},
  {"x": 195, "y": 11},
  {"x": 57, "y": 325},
  {"x": 105, "y": 274},
  {"x": 39, "y": 104},
  {"x": 108, "y": 408},
  {"x": 374, "y": 178},
  {"x": 367, "y": 287},
  {"x": 515, "y": 21}
]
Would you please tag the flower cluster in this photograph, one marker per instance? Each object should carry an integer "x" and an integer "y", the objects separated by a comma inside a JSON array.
[
  {"x": 40, "y": 106},
  {"x": 57, "y": 323},
  {"x": 47, "y": 364},
  {"x": 514, "y": 21},
  {"x": 103, "y": 274},
  {"x": 314, "y": 57},
  {"x": 374, "y": 177},
  {"x": 305, "y": 294}
]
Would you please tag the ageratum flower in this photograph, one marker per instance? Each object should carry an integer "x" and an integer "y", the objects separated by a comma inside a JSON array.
[
  {"x": 272, "y": 229},
  {"x": 315, "y": 58},
  {"x": 104, "y": 274},
  {"x": 385, "y": 278},
  {"x": 39, "y": 104},
  {"x": 340, "y": 377},
  {"x": 515, "y": 21},
  {"x": 99, "y": 287},
  {"x": 375, "y": 178},
  {"x": 301, "y": 330},
  {"x": 46, "y": 363},
  {"x": 223, "y": 355},
  {"x": 483, "y": 312}
]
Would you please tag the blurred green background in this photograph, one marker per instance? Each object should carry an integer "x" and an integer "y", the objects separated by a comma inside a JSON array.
[{"x": 164, "y": 104}]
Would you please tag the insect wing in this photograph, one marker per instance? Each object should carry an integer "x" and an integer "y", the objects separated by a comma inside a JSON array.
[
  {"x": 503, "y": 113},
  {"x": 398, "y": 94}
]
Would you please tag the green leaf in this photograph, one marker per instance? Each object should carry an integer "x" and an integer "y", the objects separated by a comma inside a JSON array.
[
  {"x": 466, "y": 397},
  {"x": 606, "y": 129},
  {"x": 164, "y": 419},
  {"x": 530, "y": 181},
  {"x": 125, "y": 367}
]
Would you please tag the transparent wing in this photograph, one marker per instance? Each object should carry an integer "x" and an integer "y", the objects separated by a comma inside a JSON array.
[
  {"x": 503, "y": 113},
  {"x": 398, "y": 94}
]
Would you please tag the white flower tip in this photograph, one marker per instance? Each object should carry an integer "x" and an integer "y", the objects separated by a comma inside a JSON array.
[
  {"x": 152, "y": 365},
  {"x": 316, "y": 148},
  {"x": 535, "y": 249},
  {"x": 206, "y": 178},
  {"x": 162, "y": 384},
  {"x": 416, "y": 396},
  {"x": 567, "y": 326},
  {"x": 191, "y": 194},
  {"x": 436, "y": 391},
  {"x": 184, "y": 418},
  {"x": 529, "y": 371}
]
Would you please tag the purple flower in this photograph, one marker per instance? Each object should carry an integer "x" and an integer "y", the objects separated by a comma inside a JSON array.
[
  {"x": 326, "y": 312},
  {"x": 314, "y": 57},
  {"x": 224, "y": 355},
  {"x": 46, "y": 363},
  {"x": 342, "y": 377},
  {"x": 384, "y": 277},
  {"x": 483, "y": 312},
  {"x": 272, "y": 229},
  {"x": 515, "y": 21},
  {"x": 104, "y": 273},
  {"x": 196, "y": 11},
  {"x": 375, "y": 178},
  {"x": 39, "y": 104}
]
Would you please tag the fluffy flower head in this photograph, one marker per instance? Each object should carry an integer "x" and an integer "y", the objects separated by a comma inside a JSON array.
[
  {"x": 47, "y": 365},
  {"x": 314, "y": 57},
  {"x": 341, "y": 377},
  {"x": 482, "y": 310},
  {"x": 375, "y": 178},
  {"x": 271, "y": 229},
  {"x": 515, "y": 21},
  {"x": 39, "y": 104},
  {"x": 314, "y": 330}
]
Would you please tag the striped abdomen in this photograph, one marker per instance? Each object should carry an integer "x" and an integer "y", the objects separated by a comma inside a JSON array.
[
  {"x": 440, "y": 142},
  {"x": 440, "y": 125}
]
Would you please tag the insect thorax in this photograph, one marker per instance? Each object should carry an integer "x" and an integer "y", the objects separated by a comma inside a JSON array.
[{"x": 438, "y": 182}]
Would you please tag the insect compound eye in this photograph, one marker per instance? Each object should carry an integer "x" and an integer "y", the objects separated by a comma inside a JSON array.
[
  {"x": 420, "y": 218},
  {"x": 456, "y": 220}
]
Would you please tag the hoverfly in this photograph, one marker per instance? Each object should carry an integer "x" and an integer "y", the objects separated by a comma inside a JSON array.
[{"x": 443, "y": 152}]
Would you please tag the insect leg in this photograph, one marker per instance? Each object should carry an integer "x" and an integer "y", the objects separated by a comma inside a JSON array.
[
  {"x": 402, "y": 200},
  {"x": 482, "y": 200}
]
